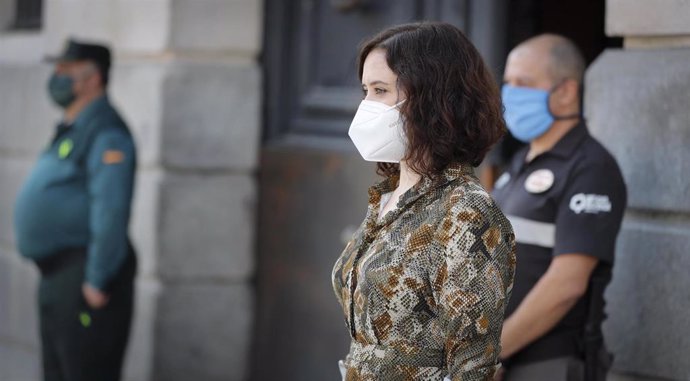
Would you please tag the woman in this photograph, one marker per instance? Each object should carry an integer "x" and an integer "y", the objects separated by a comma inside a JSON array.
[{"x": 424, "y": 281}]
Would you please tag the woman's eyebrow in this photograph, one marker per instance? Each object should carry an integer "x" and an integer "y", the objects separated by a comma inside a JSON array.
[{"x": 377, "y": 82}]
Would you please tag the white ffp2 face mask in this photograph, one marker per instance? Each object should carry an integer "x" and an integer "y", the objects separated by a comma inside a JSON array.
[{"x": 377, "y": 131}]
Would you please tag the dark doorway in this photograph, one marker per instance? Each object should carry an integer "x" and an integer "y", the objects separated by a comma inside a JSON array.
[{"x": 583, "y": 21}]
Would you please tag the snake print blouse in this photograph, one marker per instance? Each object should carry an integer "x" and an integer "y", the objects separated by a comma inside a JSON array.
[{"x": 424, "y": 289}]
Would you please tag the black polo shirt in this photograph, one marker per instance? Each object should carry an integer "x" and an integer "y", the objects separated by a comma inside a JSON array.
[{"x": 570, "y": 199}]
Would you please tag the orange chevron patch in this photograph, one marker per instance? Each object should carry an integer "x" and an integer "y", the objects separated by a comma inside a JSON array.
[{"x": 113, "y": 157}]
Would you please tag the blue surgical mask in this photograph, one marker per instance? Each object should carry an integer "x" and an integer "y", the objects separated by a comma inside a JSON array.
[
  {"x": 527, "y": 112},
  {"x": 60, "y": 89}
]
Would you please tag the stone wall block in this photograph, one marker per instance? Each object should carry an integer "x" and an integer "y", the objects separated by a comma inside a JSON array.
[
  {"x": 647, "y": 18},
  {"x": 139, "y": 357},
  {"x": 207, "y": 226},
  {"x": 144, "y": 220},
  {"x": 208, "y": 338},
  {"x": 13, "y": 172},
  {"x": 648, "y": 301},
  {"x": 28, "y": 115},
  {"x": 217, "y": 25},
  {"x": 5, "y": 292},
  {"x": 19, "y": 354},
  {"x": 94, "y": 18},
  {"x": 211, "y": 116},
  {"x": 129, "y": 26},
  {"x": 143, "y": 26},
  {"x": 136, "y": 91},
  {"x": 641, "y": 114},
  {"x": 158, "y": 26},
  {"x": 23, "y": 310},
  {"x": 18, "y": 363}
]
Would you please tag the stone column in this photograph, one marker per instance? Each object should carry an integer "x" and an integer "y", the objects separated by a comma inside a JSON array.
[
  {"x": 637, "y": 102},
  {"x": 187, "y": 80}
]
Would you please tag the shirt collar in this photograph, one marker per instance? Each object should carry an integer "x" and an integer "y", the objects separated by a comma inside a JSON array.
[
  {"x": 424, "y": 186},
  {"x": 93, "y": 108},
  {"x": 564, "y": 148},
  {"x": 567, "y": 145}
]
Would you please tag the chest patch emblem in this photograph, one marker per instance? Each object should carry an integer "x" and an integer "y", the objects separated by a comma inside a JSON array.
[
  {"x": 65, "y": 148},
  {"x": 502, "y": 180},
  {"x": 539, "y": 181},
  {"x": 590, "y": 203}
]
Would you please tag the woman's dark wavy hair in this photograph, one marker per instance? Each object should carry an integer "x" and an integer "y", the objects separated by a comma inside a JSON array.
[{"x": 453, "y": 112}]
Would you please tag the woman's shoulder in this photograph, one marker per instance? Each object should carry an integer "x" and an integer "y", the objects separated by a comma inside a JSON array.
[
  {"x": 468, "y": 194},
  {"x": 473, "y": 223},
  {"x": 466, "y": 205}
]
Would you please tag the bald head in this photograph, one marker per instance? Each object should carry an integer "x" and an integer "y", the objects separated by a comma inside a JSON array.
[{"x": 560, "y": 57}]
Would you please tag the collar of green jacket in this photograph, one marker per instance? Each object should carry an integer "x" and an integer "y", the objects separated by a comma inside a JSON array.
[{"x": 96, "y": 107}]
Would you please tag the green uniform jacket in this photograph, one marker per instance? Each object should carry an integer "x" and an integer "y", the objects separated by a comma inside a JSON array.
[{"x": 79, "y": 194}]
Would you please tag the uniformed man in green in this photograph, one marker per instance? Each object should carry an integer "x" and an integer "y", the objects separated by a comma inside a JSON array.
[{"x": 71, "y": 219}]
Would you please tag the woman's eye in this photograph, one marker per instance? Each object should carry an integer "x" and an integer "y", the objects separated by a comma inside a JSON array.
[{"x": 380, "y": 91}]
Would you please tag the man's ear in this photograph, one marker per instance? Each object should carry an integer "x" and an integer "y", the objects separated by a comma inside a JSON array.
[
  {"x": 97, "y": 77},
  {"x": 569, "y": 92}
]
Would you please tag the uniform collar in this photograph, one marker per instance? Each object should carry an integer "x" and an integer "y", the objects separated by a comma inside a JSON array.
[
  {"x": 424, "y": 186},
  {"x": 92, "y": 109},
  {"x": 567, "y": 145},
  {"x": 564, "y": 148}
]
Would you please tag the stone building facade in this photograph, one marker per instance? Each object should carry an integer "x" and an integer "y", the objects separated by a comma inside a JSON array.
[{"x": 189, "y": 80}]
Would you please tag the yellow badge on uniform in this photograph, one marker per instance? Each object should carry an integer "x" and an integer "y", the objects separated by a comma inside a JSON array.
[
  {"x": 65, "y": 148},
  {"x": 113, "y": 157}
]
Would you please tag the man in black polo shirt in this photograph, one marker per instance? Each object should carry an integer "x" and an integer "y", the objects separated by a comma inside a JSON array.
[{"x": 565, "y": 197}]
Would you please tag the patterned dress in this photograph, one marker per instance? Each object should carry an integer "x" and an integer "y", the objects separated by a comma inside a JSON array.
[{"x": 424, "y": 289}]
